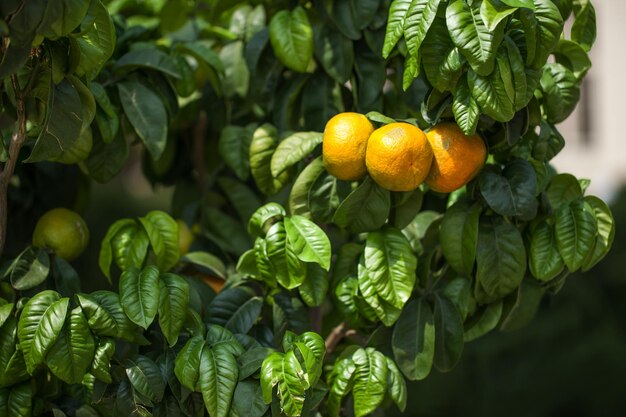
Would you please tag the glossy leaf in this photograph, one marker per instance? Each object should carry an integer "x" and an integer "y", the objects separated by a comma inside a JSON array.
[
  {"x": 370, "y": 380},
  {"x": 308, "y": 241},
  {"x": 234, "y": 147},
  {"x": 237, "y": 309},
  {"x": 465, "y": 108},
  {"x": 365, "y": 209},
  {"x": 500, "y": 257},
  {"x": 162, "y": 230},
  {"x": 605, "y": 232},
  {"x": 30, "y": 269},
  {"x": 544, "y": 259},
  {"x": 39, "y": 326},
  {"x": 147, "y": 114},
  {"x": 442, "y": 60},
  {"x": 483, "y": 321},
  {"x": 459, "y": 236},
  {"x": 560, "y": 92},
  {"x": 139, "y": 295},
  {"x": 470, "y": 34},
  {"x": 548, "y": 30},
  {"x": 293, "y": 149},
  {"x": 413, "y": 340},
  {"x": 448, "y": 334},
  {"x": 584, "y": 27},
  {"x": 72, "y": 353},
  {"x": 315, "y": 286},
  {"x": 292, "y": 38},
  {"x": 290, "y": 270},
  {"x": 145, "y": 377},
  {"x": 173, "y": 303},
  {"x": 100, "y": 367},
  {"x": 513, "y": 193},
  {"x": 575, "y": 231},
  {"x": 187, "y": 366},
  {"x": 263, "y": 146}
]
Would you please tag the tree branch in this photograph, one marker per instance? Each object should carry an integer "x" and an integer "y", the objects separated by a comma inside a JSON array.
[
  {"x": 17, "y": 140},
  {"x": 335, "y": 336}
]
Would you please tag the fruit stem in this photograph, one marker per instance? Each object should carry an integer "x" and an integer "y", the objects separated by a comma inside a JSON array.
[
  {"x": 335, "y": 336},
  {"x": 17, "y": 140}
]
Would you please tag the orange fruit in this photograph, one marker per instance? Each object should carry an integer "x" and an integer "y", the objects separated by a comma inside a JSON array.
[
  {"x": 216, "y": 283},
  {"x": 344, "y": 145},
  {"x": 457, "y": 157},
  {"x": 63, "y": 231},
  {"x": 398, "y": 157}
]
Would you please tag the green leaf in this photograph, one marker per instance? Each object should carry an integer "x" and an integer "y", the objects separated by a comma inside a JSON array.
[
  {"x": 150, "y": 58},
  {"x": 236, "y": 73},
  {"x": 465, "y": 108},
  {"x": 106, "y": 159},
  {"x": 96, "y": 41},
  {"x": 315, "y": 286},
  {"x": 549, "y": 28},
  {"x": 236, "y": 309},
  {"x": 340, "y": 381},
  {"x": 419, "y": 18},
  {"x": 262, "y": 148},
  {"x": 63, "y": 123},
  {"x": 12, "y": 366},
  {"x": 520, "y": 3},
  {"x": 139, "y": 295},
  {"x": 129, "y": 245},
  {"x": 250, "y": 362},
  {"x": 513, "y": 59},
  {"x": 370, "y": 380},
  {"x": 584, "y": 27},
  {"x": 572, "y": 56},
  {"x": 459, "y": 236},
  {"x": 442, "y": 60},
  {"x": 299, "y": 195},
  {"x": 448, "y": 334},
  {"x": 62, "y": 18},
  {"x": 395, "y": 24},
  {"x": 39, "y": 326},
  {"x": 187, "y": 366},
  {"x": 292, "y": 150},
  {"x": 145, "y": 377},
  {"x": 483, "y": 321},
  {"x": 173, "y": 303},
  {"x": 605, "y": 232},
  {"x": 308, "y": 241},
  {"x": 335, "y": 52},
  {"x": 326, "y": 194},
  {"x": 396, "y": 385},
  {"x": 500, "y": 257},
  {"x": 387, "y": 271},
  {"x": 493, "y": 12},
  {"x": 490, "y": 92},
  {"x": 561, "y": 92},
  {"x": 146, "y": 113},
  {"x": 101, "y": 365},
  {"x": 258, "y": 223},
  {"x": 17, "y": 401},
  {"x": 206, "y": 262},
  {"x": 292, "y": 38},
  {"x": 575, "y": 231},
  {"x": 562, "y": 190},
  {"x": 248, "y": 400},
  {"x": 106, "y": 316},
  {"x": 234, "y": 147},
  {"x": 162, "y": 230},
  {"x": 470, "y": 34},
  {"x": 365, "y": 209},
  {"x": 226, "y": 231},
  {"x": 72, "y": 353},
  {"x": 413, "y": 340},
  {"x": 406, "y": 205},
  {"x": 459, "y": 292},
  {"x": 544, "y": 259},
  {"x": 513, "y": 192},
  {"x": 529, "y": 295},
  {"x": 30, "y": 268},
  {"x": 218, "y": 379},
  {"x": 290, "y": 271},
  {"x": 5, "y": 312},
  {"x": 243, "y": 199},
  {"x": 106, "y": 116}
]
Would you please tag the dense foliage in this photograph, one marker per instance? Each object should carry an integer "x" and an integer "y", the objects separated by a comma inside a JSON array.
[{"x": 227, "y": 101}]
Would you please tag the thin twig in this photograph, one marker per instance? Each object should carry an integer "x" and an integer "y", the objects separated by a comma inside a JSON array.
[
  {"x": 335, "y": 336},
  {"x": 17, "y": 140}
]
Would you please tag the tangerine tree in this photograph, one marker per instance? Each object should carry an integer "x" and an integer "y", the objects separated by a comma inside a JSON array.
[{"x": 364, "y": 186}]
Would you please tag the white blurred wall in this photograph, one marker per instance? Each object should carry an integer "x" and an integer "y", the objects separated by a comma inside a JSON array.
[{"x": 595, "y": 145}]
